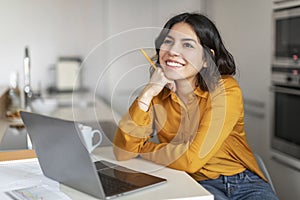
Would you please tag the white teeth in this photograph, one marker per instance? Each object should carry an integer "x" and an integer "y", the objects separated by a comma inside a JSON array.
[{"x": 174, "y": 64}]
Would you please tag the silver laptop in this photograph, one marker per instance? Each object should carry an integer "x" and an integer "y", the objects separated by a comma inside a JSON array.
[{"x": 64, "y": 158}]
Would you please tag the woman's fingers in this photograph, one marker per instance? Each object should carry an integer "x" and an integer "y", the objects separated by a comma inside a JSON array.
[
  {"x": 156, "y": 84},
  {"x": 172, "y": 86}
]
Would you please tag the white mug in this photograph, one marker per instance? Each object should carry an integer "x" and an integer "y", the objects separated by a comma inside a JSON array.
[{"x": 88, "y": 134}]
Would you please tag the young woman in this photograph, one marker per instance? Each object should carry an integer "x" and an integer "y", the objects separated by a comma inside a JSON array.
[{"x": 195, "y": 106}]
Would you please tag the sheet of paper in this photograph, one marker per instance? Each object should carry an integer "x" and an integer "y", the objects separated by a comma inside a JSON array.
[
  {"x": 25, "y": 177},
  {"x": 38, "y": 192}
]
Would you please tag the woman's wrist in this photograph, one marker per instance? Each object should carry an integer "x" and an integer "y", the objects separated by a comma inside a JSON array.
[
  {"x": 143, "y": 105},
  {"x": 144, "y": 101}
]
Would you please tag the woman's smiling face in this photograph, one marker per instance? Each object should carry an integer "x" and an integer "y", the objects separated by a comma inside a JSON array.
[{"x": 181, "y": 54}]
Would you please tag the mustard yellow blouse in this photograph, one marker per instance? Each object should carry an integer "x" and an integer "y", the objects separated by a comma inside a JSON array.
[{"x": 204, "y": 137}]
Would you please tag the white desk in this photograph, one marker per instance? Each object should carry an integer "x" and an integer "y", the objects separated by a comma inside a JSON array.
[{"x": 179, "y": 185}]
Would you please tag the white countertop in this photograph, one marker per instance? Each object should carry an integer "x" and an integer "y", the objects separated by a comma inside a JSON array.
[
  {"x": 81, "y": 107},
  {"x": 90, "y": 110}
]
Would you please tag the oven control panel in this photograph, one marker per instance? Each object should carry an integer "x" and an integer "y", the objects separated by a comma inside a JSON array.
[{"x": 285, "y": 76}]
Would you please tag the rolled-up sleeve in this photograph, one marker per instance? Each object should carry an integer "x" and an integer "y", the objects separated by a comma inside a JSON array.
[{"x": 134, "y": 129}]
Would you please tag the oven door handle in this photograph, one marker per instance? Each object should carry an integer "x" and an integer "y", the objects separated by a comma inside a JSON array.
[{"x": 285, "y": 90}]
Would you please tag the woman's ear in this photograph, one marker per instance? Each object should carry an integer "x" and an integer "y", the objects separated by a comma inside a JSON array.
[{"x": 213, "y": 54}]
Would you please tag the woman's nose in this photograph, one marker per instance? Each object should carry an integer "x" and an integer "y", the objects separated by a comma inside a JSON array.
[{"x": 174, "y": 50}]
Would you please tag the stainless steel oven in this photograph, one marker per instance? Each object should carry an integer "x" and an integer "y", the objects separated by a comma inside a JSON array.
[
  {"x": 286, "y": 36},
  {"x": 285, "y": 131},
  {"x": 285, "y": 136}
]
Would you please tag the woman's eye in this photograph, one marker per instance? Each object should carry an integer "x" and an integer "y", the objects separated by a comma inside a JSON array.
[
  {"x": 188, "y": 45},
  {"x": 167, "y": 41}
]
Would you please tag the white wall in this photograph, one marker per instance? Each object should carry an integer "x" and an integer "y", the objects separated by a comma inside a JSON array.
[
  {"x": 246, "y": 27},
  {"x": 50, "y": 28}
]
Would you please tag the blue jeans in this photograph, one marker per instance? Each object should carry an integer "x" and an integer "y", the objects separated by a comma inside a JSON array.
[{"x": 242, "y": 186}]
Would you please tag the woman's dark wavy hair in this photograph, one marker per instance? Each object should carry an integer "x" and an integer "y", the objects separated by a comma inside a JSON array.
[{"x": 220, "y": 62}]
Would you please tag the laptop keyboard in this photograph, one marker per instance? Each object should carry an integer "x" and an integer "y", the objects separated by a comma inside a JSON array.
[{"x": 113, "y": 186}]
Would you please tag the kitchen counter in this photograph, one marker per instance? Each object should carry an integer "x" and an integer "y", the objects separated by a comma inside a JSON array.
[
  {"x": 81, "y": 107},
  {"x": 91, "y": 111}
]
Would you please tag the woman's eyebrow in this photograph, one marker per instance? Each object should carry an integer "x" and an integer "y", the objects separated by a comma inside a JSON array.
[
  {"x": 188, "y": 39},
  {"x": 183, "y": 39},
  {"x": 168, "y": 36}
]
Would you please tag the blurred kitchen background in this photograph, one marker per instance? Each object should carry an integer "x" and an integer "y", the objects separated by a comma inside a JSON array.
[{"x": 103, "y": 37}]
